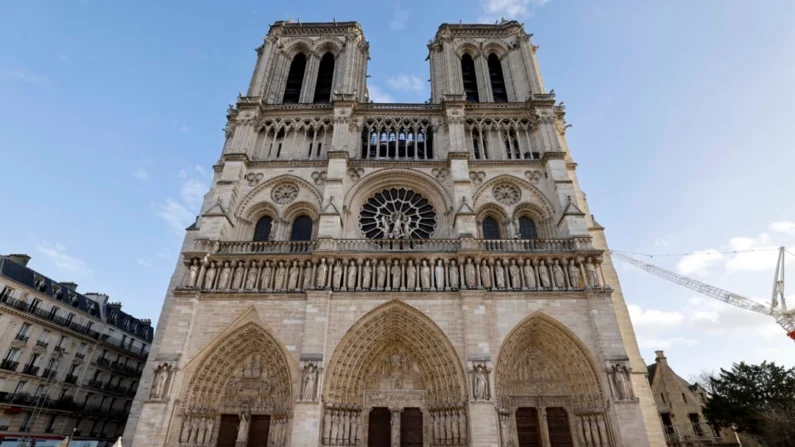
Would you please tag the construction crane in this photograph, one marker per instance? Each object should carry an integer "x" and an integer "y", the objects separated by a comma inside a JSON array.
[{"x": 778, "y": 303}]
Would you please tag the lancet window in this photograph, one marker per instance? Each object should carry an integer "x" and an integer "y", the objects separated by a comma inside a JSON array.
[
  {"x": 470, "y": 78},
  {"x": 497, "y": 80},
  {"x": 293, "y": 139},
  {"x": 410, "y": 139},
  {"x": 490, "y": 228},
  {"x": 510, "y": 134},
  {"x": 325, "y": 77},
  {"x": 301, "y": 229},
  {"x": 295, "y": 79},
  {"x": 262, "y": 230},
  {"x": 527, "y": 228}
]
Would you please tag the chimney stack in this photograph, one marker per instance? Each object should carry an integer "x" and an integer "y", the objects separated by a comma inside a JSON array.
[
  {"x": 660, "y": 357},
  {"x": 20, "y": 258}
]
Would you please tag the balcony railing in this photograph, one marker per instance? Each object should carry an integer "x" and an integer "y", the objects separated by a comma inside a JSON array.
[
  {"x": 42, "y": 344},
  {"x": 98, "y": 384},
  {"x": 103, "y": 361},
  {"x": 79, "y": 355},
  {"x": 49, "y": 373},
  {"x": 125, "y": 368},
  {"x": 9, "y": 365},
  {"x": 70, "y": 378},
  {"x": 21, "y": 337},
  {"x": 30, "y": 369},
  {"x": 60, "y": 350},
  {"x": 246, "y": 247}
]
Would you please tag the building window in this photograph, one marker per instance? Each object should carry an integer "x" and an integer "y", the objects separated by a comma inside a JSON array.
[
  {"x": 295, "y": 79},
  {"x": 470, "y": 78},
  {"x": 696, "y": 424},
  {"x": 45, "y": 334},
  {"x": 497, "y": 80},
  {"x": 325, "y": 76},
  {"x": 13, "y": 354},
  {"x": 512, "y": 145},
  {"x": 490, "y": 228},
  {"x": 21, "y": 387},
  {"x": 38, "y": 283},
  {"x": 70, "y": 318},
  {"x": 684, "y": 398},
  {"x": 527, "y": 228},
  {"x": 7, "y": 292},
  {"x": 23, "y": 331},
  {"x": 50, "y": 424},
  {"x": 302, "y": 229},
  {"x": 57, "y": 291},
  {"x": 262, "y": 230}
]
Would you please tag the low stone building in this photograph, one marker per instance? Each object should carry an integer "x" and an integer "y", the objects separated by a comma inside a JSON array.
[
  {"x": 681, "y": 408},
  {"x": 71, "y": 362}
]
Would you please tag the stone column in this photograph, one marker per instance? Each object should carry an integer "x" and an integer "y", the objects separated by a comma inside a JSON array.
[
  {"x": 543, "y": 426},
  {"x": 396, "y": 426}
]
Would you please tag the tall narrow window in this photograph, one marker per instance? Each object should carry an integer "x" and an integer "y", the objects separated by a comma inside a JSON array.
[
  {"x": 527, "y": 228},
  {"x": 262, "y": 230},
  {"x": 302, "y": 229},
  {"x": 476, "y": 144},
  {"x": 470, "y": 78},
  {"x": 325, "y": 76},
  {"x": 295, "y": 79},
  {"x": 490, "y": 228},
  {"x": 497, "y": 80}
]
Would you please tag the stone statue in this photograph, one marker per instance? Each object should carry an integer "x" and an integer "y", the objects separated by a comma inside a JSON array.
[
  {"x": 397, "y": 226},
  {"x": 292, "y": 281},
  {"x": 529, "y": 275},
  {"x": 574, "y": 275},
  {"x": 281, "y": 274},
  {"x": 310, "y": 383},
  {"x": 157, "y": 383},
  {"x": 485, "y": 275},
  {"x": 557, "y": 272},
  {"x": 367, "y": 275},
  {"x": 193, "y": 273},
  {"x": 515, "y": 273},
  {"x": 380, "y": 275},
  {"x": 265, "y": 280},
  {"x": 543, "y": 275},
  {"x": 499, "y": 275},
  {"x": 470, "y": 275},
  {"x": 242, "y": 429},
  {"x": 411, "y": 276},
  {"x": 517, "y": 232},
  {"x": 453, "y": 275},
  {"x": 407, "y": 228},
  {"x": 438, "y": 275},
  {"x": 350, "y": 281},
  {"x": 251, "y": 279},
  {"x": 425, "y": 275},
  {"x": 384, "y": 227},
  {"x": 322, "y": 270},
  {"x": 481, "y": 388},
  {"x": 307, "y": 275},
  {"x": 209, "y": 277},
  {"x": 620, "y": 381},
  {"x": 396, "y": 275},
  {"x": 237, "y": 280},
  {"x": 184, "y": 435},
  {"x": 591, "y": 270},
  {"x": 336, "y": 275},
  {"x": 226, "y": 275},
  {"x": 209, "y": 424}
]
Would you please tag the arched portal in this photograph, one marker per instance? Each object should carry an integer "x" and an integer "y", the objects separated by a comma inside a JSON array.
[
  {"x": 240, "y": 386},
  {"x": 395, "y": 358},
  {"x": 546, "y": 378}
]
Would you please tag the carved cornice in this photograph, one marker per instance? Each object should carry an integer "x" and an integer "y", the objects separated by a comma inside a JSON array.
[{"x": 338, "y": 155}]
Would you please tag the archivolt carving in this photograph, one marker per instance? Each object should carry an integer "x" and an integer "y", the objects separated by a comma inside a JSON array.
[
  {"x": 535, "y": 195},
  {"x": 257, "y": 194},
  {"x": 541, "y": 357},
  {"x": 394, "y": 347},
  {"x": 299, "y": 208},
  {"x": 245, "y": 371}
]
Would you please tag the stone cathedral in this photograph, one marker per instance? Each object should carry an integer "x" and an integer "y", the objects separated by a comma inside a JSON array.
[{"x": 395, "y": 275}]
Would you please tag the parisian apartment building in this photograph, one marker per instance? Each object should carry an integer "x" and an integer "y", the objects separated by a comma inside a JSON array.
[
  {"x": 681, "y": 407},
  {"x": 71, "y": 361}
]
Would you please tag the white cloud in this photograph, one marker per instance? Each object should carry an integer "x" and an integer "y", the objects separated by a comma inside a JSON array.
[
  {"x": 192, "y": 193},
  {"x": 698, "y": 262},
  {"x": 177, "y": 217},
  {"x": 660, "y": 318},
  {"x": 57, "y": 255},
  {"x": 378, "y": 95},
  {"x": 400, "y": 17},
  {"x": 715, "y": 318},
  {"x": 141, "y": 174},
  {"x": 202, "y": 170},
  {"x": 764, "y": 258},
  {"x": 146, "y": 262},
  {"x": 406, "y": 83},
  {"x": 28, "y": 77},
  {"x": 787, "y": 227},
  {"x": 494, "y": 10},
  {"x": 656, "y": 344}
]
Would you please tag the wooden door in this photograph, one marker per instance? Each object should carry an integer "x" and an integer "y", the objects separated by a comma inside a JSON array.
[
  {"x": 527, "y": 427},
  {"x": 227, "y": 435},
  {"x": 411, "y": 428},
  {"x": 258, "y": 431},
  {"x": 559, "y": 431},
  {"x": 379, "y": 428}
]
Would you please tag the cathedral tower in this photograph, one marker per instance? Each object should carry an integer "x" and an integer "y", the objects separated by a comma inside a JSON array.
[{"x": 367, "y": 274}]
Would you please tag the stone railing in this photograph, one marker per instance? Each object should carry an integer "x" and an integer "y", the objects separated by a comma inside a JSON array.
[
  {"x": 397, "y": 245},
  {"x": 250, "y": 247}
]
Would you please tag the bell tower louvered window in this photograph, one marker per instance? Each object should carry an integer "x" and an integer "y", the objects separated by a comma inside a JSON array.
[
  {"x": 497, "y": 79},
  {"x": 325, "y": 76},
  {"x": 262, "y": 230},
  {"x": 490, "y": 228},
  {"x": 302, "y": 229},
  {"x": 295, "y": 79},
  {"x": 470, "y": 78}
]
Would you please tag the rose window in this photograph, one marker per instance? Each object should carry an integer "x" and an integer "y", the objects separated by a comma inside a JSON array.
[
  {"x": 506, "y": 194},
  {"x": 284, "y": 193},
  {"x": 397, "y": 213}
]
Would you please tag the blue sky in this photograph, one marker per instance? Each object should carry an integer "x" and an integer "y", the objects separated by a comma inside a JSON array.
[{"x": 683, "y": 112}]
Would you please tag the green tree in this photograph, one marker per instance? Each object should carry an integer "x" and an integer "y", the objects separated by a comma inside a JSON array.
[{"x": 757, "y": 399}]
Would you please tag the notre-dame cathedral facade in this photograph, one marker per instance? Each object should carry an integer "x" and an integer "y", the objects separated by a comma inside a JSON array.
[{"x": 366, "y": 274}]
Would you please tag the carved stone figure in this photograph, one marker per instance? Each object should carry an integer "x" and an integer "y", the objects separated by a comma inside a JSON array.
[
  {"x": 574, "y": 275},
  {"x": 453, "y": 275},
  {"x": 543, "y": 275},
  {"x": 425, "y": 275},
  {"x": 265, "y": 280},
  {"x": 157, "y": 383},
  {"x": 193, "y": 273},
  {"x": 281, "y": 275},
  {"x": 470, "y": 275},
  {"x": 209, "y": 424},
  {"x": 593, "y": 279},
  {"x": 310, "y": 382},
  {"x": 384, "y": 227},
  {"x": 620, "y": 381},
  {"x": 184, "y": 435},
  {"x": 350, "y": 281},
  {"x": 242, "y": 429},
  {"x": 226, "y": 274},
  {"x": 367, "y": 275},
  {"x": 557, "y": 272},
  {"x": 321, "y": 275},
  {"x": 515, "y": 274},
  {"x": 292, "y": 281},
  {"x": 209, "y": 277},
  {"x": 529, "y": 275},
  {"x": 499, "y": 275},
  {"x": 380, "y": 275},
  {"x": 411, "y": 275},
  {"x": 485, "y": 275},
  {"x": 396, "y": 275},
  {"x": 407, "y": 228},
  {"x": 237, "y": 279},
  {"x": 438, "y": 275},
  {"x": 336, "y": 275},
  {"x": 307, "y": 275},
  {"x": 251, "y": 279},
  {"x": 481, "y": 386}
]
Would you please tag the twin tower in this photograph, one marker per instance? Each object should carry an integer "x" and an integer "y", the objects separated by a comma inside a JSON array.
[{"x": 365, "y": 274}]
